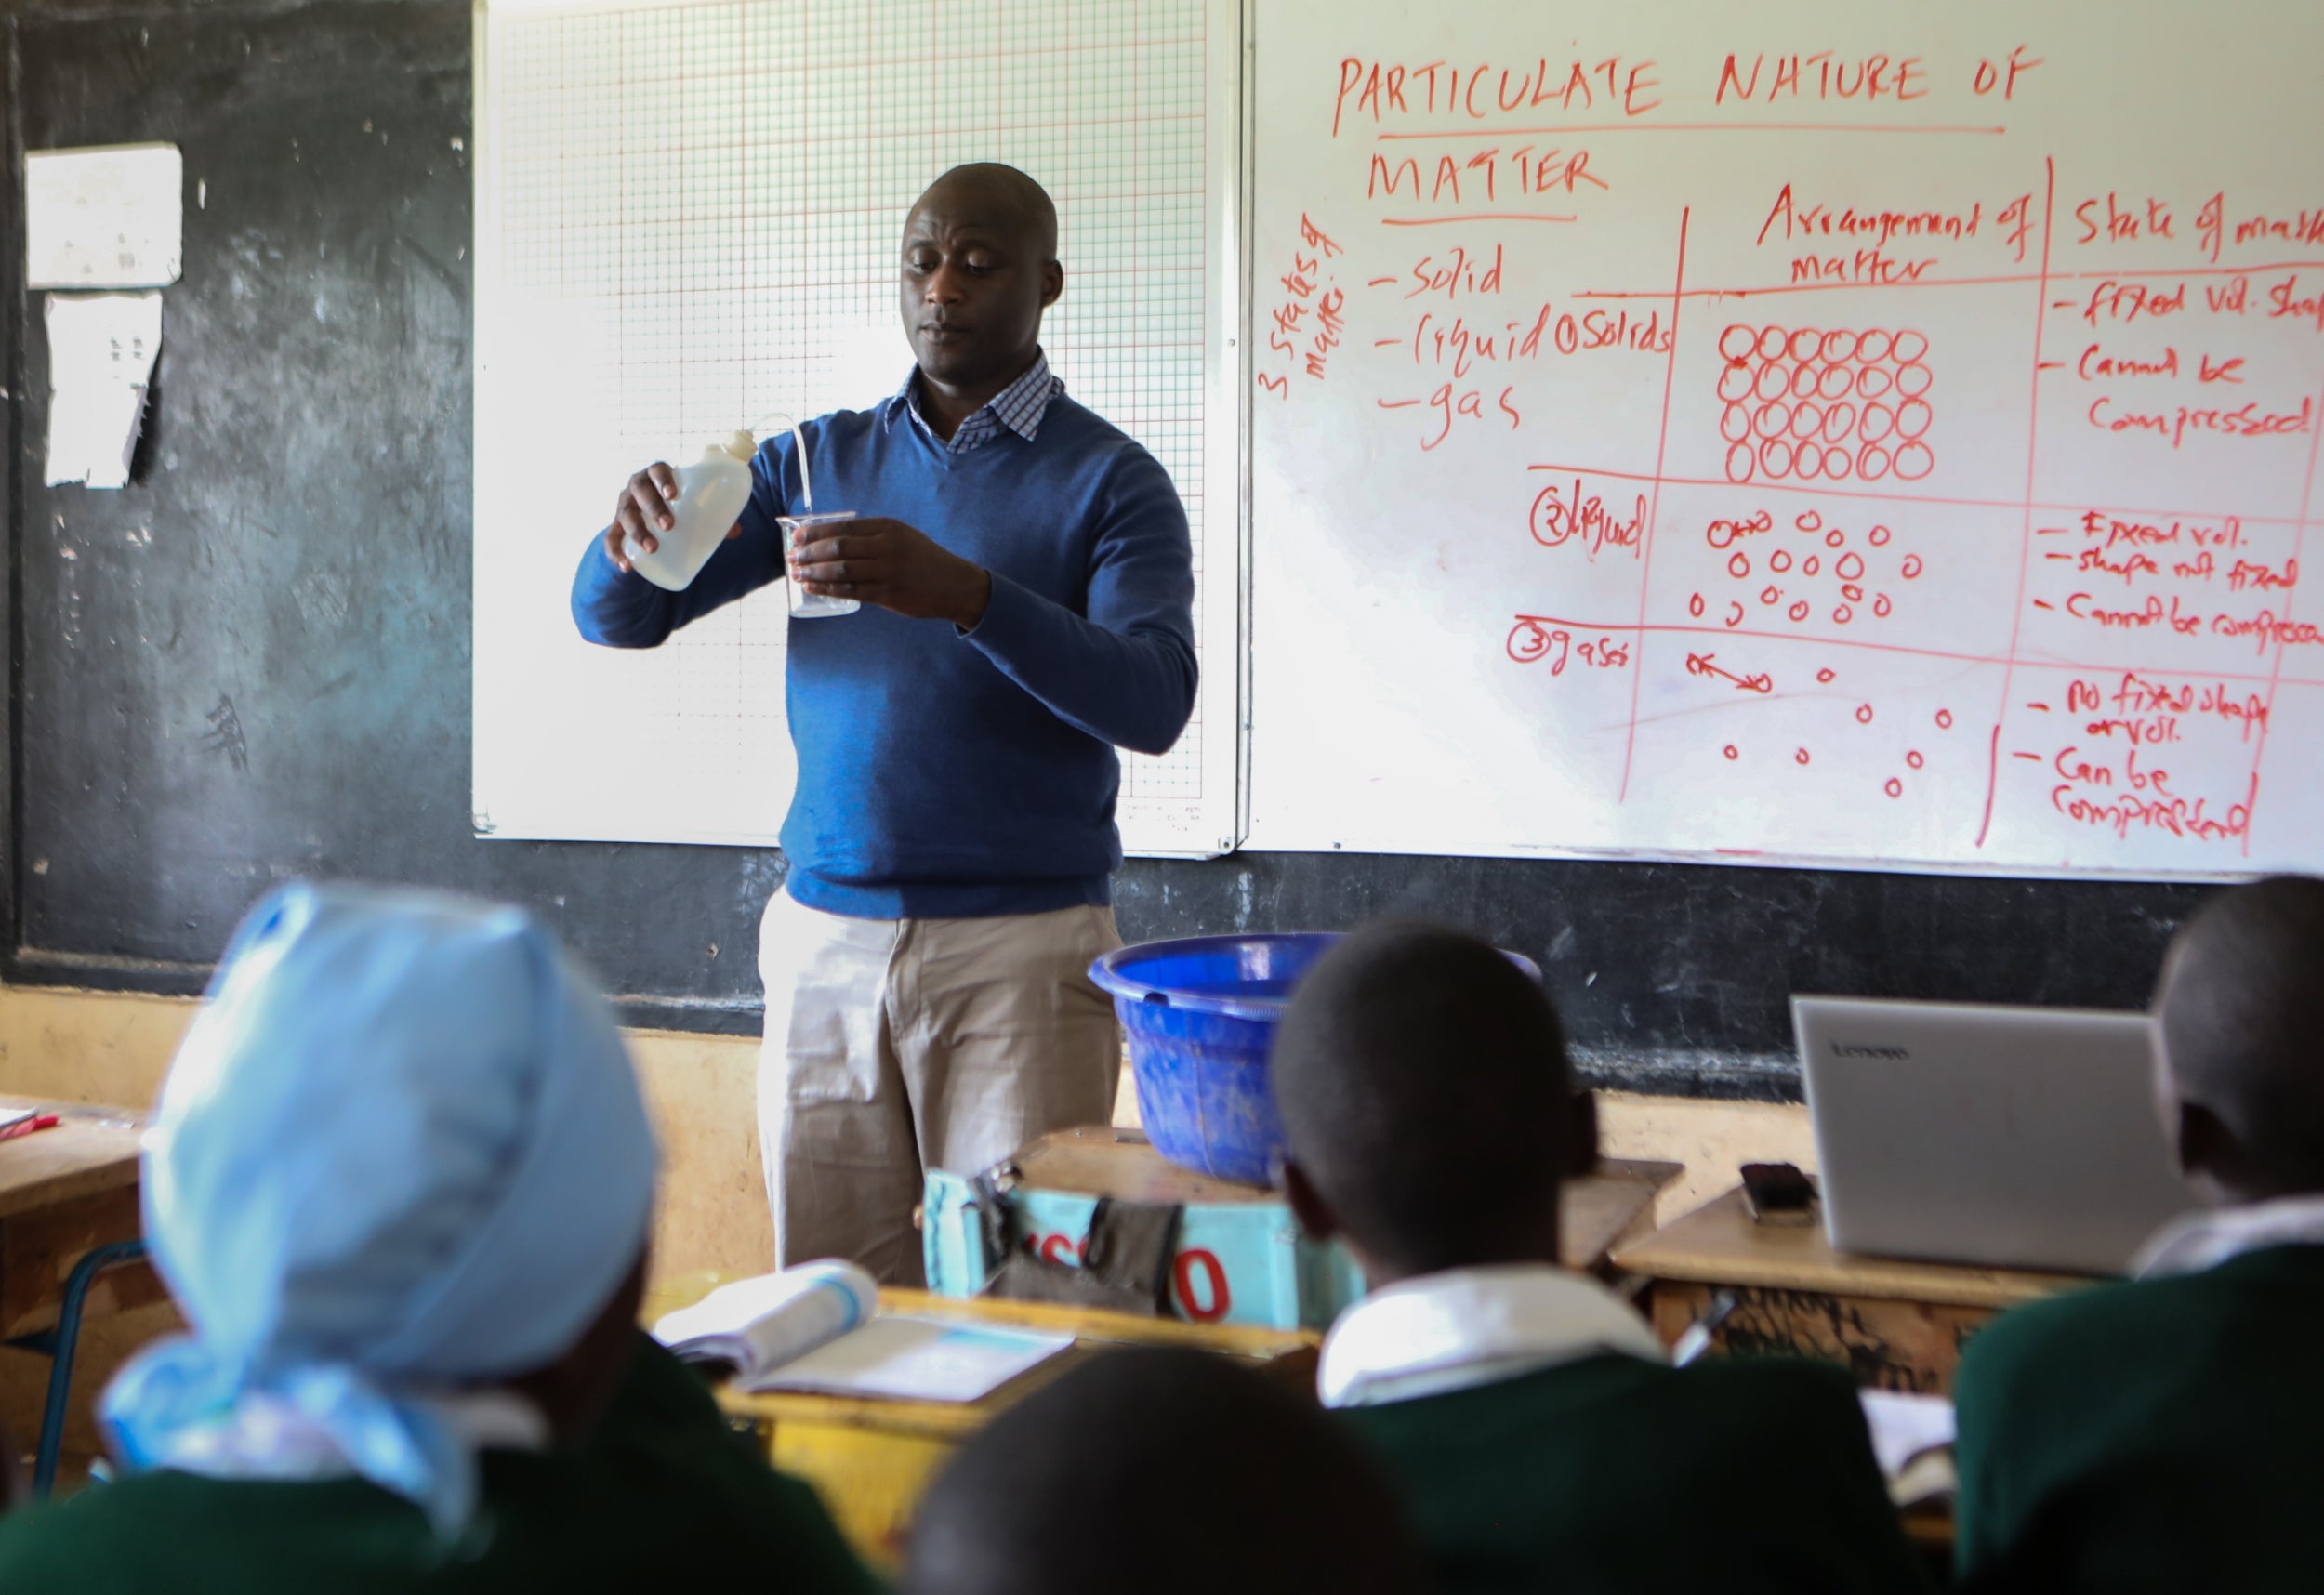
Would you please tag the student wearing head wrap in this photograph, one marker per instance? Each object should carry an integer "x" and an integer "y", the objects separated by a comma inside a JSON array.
[{"x": 400, "y": 1184}]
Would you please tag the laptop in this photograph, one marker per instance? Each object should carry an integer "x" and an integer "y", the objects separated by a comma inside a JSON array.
[{"x": 1998, "y": 1137}]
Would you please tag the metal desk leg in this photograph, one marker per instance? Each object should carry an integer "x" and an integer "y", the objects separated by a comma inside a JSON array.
[{"x": 68, "y": 1334}]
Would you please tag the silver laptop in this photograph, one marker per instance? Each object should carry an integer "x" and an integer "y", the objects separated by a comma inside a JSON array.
[{"x": 2001, "y": 1136}]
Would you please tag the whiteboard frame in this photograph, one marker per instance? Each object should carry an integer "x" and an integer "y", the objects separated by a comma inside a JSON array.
[
  {"x": 1222, "y": 698},
  {"x": 1223, "y": 642}
]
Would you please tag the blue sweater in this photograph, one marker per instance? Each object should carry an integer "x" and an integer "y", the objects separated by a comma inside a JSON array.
[{"x": 944, "y": 773}]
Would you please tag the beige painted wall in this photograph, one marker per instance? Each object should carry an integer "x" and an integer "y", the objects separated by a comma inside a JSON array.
[
  {"x": 93, "y": 1047},
  {"x": 99, "y": 1046}
]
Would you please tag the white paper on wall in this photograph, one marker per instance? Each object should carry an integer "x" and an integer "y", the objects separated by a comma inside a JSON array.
[
  {"x": 110, "y": 218},
  {"x": 100, "y": 360}
]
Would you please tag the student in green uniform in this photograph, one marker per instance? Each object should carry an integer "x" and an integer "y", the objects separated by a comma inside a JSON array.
[
  {"x": 1162, "y": 1472},
  {"x": 400, "y": 1184},
  {"x": 2168, "y": 1434},
  {"x": 1539, "y": 1431}
]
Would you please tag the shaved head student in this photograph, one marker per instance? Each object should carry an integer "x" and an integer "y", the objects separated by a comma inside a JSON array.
[{"x": 1027, "y": 583}]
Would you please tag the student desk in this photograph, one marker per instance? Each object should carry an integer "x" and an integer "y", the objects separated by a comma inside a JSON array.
[
  {"x": 1598, "y": 1212},
  {"x": 1895, "y": 1325},
  {"x": 63, "y": 1193},
  {"x": 870, "y": 1459}
]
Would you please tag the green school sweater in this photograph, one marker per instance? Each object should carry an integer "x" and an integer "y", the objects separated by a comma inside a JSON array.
[
  {"x": 662, "y": 1496},
  {"x": 2161, "y": 1435},
  {"x": 1617, "y": 1474}
]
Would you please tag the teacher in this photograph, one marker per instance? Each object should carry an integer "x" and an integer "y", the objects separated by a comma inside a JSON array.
[{"x": 1028, "y": 583}]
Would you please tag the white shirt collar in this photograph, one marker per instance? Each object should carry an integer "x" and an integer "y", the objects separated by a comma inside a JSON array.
[
  {"x": 1451, "y": 1331},
  {"x": 2199, "y": 1241}
]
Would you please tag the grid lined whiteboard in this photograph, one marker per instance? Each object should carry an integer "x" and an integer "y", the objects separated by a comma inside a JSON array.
[{"x": 688, "y": 216}]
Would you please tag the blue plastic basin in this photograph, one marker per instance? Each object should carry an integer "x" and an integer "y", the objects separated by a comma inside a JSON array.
[{"x": 1199, "y": 1013}]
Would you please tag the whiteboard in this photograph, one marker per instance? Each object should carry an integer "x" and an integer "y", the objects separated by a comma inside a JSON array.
[
  {"x": 687, "y": 216},
  {"x": 1874, "y": 436}
]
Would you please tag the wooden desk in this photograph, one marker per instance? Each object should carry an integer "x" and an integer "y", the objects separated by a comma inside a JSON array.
[
  {"x": 63, "y": 1193},
  {"x": 1608, "y": 1209},
  {"x": 1612, "y": 1203},
  {"x": 1597, "y": 1211},
  {"x": 870, "y": 1459},
  {"x": 1894, "y": 1324},
  {"x": 1600, "y": 1210}
]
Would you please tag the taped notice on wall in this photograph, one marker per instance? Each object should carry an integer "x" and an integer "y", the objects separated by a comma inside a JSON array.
[
  {"x": 100, "y": 362},
  {"x": 109, "y": 217}
]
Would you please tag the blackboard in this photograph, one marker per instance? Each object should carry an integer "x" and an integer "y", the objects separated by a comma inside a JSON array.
[{"x": 252, "y": 663}]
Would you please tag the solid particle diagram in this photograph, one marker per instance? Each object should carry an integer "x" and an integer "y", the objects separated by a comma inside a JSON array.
[{"x": 1807, "y": 405}]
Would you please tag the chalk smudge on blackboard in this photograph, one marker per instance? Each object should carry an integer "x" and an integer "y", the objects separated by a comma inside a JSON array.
[{"x": 225, "y": 735}]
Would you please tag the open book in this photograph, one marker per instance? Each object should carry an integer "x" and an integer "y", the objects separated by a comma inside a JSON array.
[{"x": 813, "y": 1328}]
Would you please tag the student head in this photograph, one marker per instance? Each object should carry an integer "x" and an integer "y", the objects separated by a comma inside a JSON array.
[
  {"x": 1422, "y": 1082},
  {"x": 2241, "y": 1068},
  {"x": 399, "y": 1159},
  {"x": 978, "y": 265},
  {"x": 1158, "y": 1471}
]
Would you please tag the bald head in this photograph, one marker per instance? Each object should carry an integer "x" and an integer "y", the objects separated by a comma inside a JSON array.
[
  {"x": 1155, "y": 1471},
  {"x": 1001, "y": 195},
  {"x": 979, "y": 267},
  {"x": 2241, "y": 1010}
]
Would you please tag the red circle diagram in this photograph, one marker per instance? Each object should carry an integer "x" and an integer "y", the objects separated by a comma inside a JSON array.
[{"x": 1796, "y": 395}]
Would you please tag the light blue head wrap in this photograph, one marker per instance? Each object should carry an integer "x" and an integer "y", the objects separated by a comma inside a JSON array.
[{"x": 400, "y": 1153}]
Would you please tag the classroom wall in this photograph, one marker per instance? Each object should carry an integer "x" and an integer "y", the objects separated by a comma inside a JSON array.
[{"x": 111, "y": 1048}]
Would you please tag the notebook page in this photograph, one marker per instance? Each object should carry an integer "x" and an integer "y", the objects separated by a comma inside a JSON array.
[{"x": 918, "y": 1359}]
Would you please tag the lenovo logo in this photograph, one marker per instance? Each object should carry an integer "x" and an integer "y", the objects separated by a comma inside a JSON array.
[{"x": 1849, "y": 1050}]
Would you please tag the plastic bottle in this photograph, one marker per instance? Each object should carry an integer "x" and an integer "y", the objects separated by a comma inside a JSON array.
[{"x": 711, "y": 495}]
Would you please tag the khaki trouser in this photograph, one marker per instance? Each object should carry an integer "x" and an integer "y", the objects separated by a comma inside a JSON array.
[{"x": 896, "y": 1046}]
